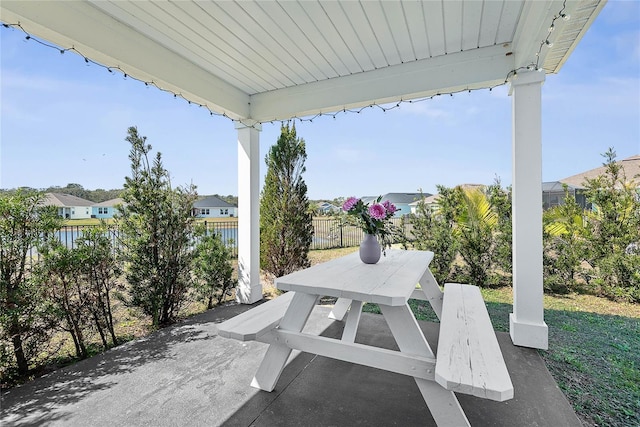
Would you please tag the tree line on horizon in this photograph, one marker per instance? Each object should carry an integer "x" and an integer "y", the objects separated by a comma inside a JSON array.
[{"x": 98, "y": 195}]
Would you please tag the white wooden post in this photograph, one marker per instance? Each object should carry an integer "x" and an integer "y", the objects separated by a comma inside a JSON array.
[
  {"x": 526, "y": 323},
  {"x": 249, "y": 289}
]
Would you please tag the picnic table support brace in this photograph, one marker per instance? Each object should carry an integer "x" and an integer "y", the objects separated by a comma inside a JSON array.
[
  {"x": 353, "y": 319},
  {"x": 432, "y": 292},
  {"x": 340, "y": 309},
  {"x": 277, "y": 354}
]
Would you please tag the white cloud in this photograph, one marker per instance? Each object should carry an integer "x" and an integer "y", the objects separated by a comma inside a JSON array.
[
  {"x": 33, "y": 83},
  {"x": 349, "y": 155},
  {"x": 609, "y": 96},
  {"x": 473, "y": 110},
  {"x": 627, "y": 46},
  {"x": 427, "y": 109},
  {"x": 24, "y": 116}
]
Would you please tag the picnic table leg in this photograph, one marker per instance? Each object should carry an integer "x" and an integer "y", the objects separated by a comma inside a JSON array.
[
  {"x": 277, "y": 354},
  {"x": 432, "y": 291},
  {"x": 443, "y": 404},
  {"x": 340, "y": 309},
  {"x": 353, "y": 319}
]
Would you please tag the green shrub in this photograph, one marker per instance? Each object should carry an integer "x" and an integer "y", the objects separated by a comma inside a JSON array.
[
  {"x": 618, "y": 277},
  {"x": 212, "y": 268}
]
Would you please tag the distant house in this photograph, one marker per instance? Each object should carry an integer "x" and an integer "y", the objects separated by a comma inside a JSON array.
[
  {"x": 106, "y": 209},
  {"x": 326, "y": 208},
  {"x": 69, "y": 207},
  {"x": 213, "y": 207},
  {"x": 430, "y": 203},
  {"x": 553, "y": 192},
  {"x": 402, "y": 201},
  {"x": 630, "y": 166},
  {"x": 431, "y": 200}
]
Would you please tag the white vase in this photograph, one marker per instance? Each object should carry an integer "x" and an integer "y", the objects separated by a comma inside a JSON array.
[{"x": 370, "y": 249}]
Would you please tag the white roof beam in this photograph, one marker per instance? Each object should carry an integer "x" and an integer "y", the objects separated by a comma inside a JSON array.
[
  {"x": 111, "y": 43},
  {"x": 537, "y": 19},
  {"x": 483, "y": 67}
]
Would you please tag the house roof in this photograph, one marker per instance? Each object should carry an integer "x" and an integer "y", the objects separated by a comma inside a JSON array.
[
  {"x": 275, "y": 60},
  {"x": 65, "y": 200},
  {"x": 433, "y": 198},
  {"x": 429, "y": 200},
  {"x": 211, "y": 202},
  {"x": 328, "y": 205},
  {"x": 557, "y": 186},
  {"x": 403, "y": 198},
  {"x": 630, "y": 165},
  {"x": 110, "y": 203},
  {"x": 471, "y": 186}
]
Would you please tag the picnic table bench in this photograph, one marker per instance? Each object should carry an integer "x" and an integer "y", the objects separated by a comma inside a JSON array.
[{"x": 468, "y": 359}]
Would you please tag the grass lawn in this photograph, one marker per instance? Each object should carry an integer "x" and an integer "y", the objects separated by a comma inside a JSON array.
[
  {"x": 594, "y": 351},
  {"x": 594, "y": 348}
]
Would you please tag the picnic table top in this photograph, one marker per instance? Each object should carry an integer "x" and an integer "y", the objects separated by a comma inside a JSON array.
[{"x": 389, "y": 282}]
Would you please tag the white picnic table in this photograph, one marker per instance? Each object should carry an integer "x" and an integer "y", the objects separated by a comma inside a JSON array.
[{"x": 469, "y": 359}]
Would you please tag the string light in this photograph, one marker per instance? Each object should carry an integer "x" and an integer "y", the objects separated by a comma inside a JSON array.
[
  {"x": 110, "y": 69},
  {"x": 547, "y": 42}
]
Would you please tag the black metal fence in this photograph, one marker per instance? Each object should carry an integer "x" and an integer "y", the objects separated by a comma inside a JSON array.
[{"x": 329, "y": 233}]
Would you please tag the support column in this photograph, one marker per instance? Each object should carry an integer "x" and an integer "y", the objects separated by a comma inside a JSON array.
[
  {"x": 249, "y": 289},
  {"x": 526, "y": 323}
]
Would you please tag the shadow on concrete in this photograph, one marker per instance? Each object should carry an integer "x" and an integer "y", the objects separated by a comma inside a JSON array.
[
  {"x": 35, "y": 403},
  {"x": 71, "y": 384}
]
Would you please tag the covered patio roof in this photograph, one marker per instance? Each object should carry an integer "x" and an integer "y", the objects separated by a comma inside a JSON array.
[
  {"x": 261, "y": 61},
  {"x": 274, "y": 60}
]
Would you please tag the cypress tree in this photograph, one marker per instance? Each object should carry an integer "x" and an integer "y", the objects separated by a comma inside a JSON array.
[
  {"x": 286, "y": 228},
  {"x": 156, "y": 226}
]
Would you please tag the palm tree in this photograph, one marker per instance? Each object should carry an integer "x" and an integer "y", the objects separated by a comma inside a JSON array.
[
  {"x": 564, "y": 244},
  {"x": 476, "y": 221}
]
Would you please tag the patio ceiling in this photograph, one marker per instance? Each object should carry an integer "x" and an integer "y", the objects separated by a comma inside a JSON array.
[{"x": 273, "y": 60}]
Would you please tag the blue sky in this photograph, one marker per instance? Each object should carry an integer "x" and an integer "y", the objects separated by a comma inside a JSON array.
[{"x": 64, "y": 121}]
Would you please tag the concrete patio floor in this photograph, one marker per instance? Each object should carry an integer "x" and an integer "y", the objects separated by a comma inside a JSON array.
[{"x": 186, "y": 375}]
